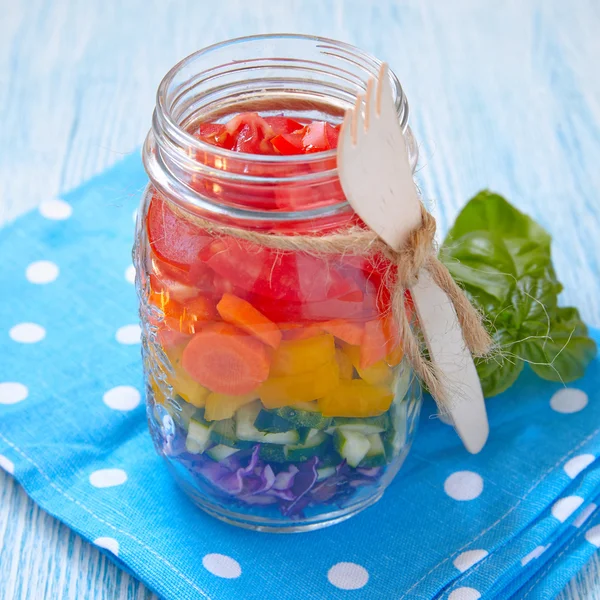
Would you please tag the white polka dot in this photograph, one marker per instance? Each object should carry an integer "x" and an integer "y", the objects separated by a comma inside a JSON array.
[
  {"x": 464, "y": 593},
  {"x": 108, "y": 543},
  {"x": 535, "y": 553},
  {"x": 103, "y": 478},
  {"x": 41, "y": 271},
  {"x": 562, "y": 509},
  {"x": 6, "y": 464},
  {"x": 122, "y": 397},
  {"x": 577, "y": 464},
  {"x": 57, "y": 210},
  {"x": 129, "y": 334},
  {"x": 12, "y": 392},
  {"x": 584, "y": 515},
  {"x": 592, "y": 535},
  {"x": 348, "y": 576},
  {"x": 569, "y": 400},
  {"x": 466, "y": 560},
  {"x": 130, "y": 274},
  {"x": 222, "y": 566},
  {"x": 463, "y": 485},
  {"x": 27, "y": 333}
]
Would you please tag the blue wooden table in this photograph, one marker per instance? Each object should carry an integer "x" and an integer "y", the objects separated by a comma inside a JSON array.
[{"x": 503, "y": 95}]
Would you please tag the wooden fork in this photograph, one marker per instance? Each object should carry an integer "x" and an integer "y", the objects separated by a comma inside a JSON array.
[{"x": 376, "y": 177}]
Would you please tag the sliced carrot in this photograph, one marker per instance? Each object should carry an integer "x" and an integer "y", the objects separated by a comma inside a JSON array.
[
  {"x": 168, "y": 338},
  {"x": 304, "y": 332},
  {"x": 183, "y": 385},
  {"x": 238, "y": 312},
  {"x": 395, "y": 356},
  {"x": 347, "y": 331},
  {"x": 186, "y": 318},
  {"x": 189, "y": 318},
  {"x": 375, "y": 342},
  {"x": 226, "y": 360}
]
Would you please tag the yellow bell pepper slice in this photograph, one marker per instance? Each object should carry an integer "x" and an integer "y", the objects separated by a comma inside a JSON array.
[
  {"x": 356, "y": 398},
  {"x": 302, "y": 356},
  {"x": 344, "y": 363},
  {"x": 277, "y": 392},
  {"x": 221, "y": 406},
  {"x": 379, "y": 373},
  {"x": 157, "y": 393},
  {"x": 395, "y": 357}
]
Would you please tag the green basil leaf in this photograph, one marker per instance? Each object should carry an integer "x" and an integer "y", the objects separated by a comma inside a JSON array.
[
  {"x": 567, "y": 351},
  {"x": 486, "y": 264},
  {"x": 501, "y": 258},
  {"x": 500, "y": 370},
  {"x": 490, "y": 212},
  {"x": 533, "y": 303},
  {"x": 498, "y": 373},
  {"x": 480, "y": 264}
]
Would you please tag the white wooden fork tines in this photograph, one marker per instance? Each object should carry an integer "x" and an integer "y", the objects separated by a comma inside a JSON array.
[{"x": 377, "y": 180}]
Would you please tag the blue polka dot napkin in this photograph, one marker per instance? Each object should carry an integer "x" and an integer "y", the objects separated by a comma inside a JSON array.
[{"x": 520, "y": 518}]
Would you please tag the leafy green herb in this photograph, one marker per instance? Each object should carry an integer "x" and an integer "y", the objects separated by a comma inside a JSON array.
[{"x": 501, "y": 258}]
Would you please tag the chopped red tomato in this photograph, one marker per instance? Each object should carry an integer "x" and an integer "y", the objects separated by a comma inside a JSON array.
[
  {"x": 235, "y": 261},
  {"x": 253, "y": 134},
  {"x": 174, "y": 240},
  {"x": 215, "y": 134},
  {"x": 320, "y": 136},
  {"x": 281, "y": 124},
  {"x": 289, "y": 143}
]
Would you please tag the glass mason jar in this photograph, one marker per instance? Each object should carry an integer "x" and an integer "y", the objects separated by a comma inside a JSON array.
[{"x": 275, "y": 390}]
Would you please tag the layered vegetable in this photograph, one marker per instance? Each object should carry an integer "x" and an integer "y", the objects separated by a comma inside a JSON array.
[{"x": 281, "y": 371}]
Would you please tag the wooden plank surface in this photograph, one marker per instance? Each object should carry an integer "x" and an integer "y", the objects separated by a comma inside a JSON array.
[{"x": 503, "y": 95}]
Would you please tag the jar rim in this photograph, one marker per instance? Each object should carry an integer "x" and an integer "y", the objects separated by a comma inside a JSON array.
[
  {"x": 170, "y": 150},
  {"x": 180, "y": 134}
]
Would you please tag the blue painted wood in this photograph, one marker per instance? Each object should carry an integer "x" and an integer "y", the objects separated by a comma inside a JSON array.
[{"x": 503, "y": 95}]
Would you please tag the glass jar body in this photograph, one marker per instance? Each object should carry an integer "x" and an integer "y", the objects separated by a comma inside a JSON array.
[{"x": 276, "y": 389}]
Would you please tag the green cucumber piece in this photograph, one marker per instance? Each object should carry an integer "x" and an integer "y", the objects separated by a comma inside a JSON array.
[
  {"x": 403, "y": 383},
  {"x": 303, "y": 433},
  {"x": 223, "y": 432},
  {"x": 303, "y": 418},
  {"x": 376, "y": 454},
  {"x": 181, "y": 411},
  {"x": 285, "y": 437},
  {"x": 245, "y": 429},
  {"x": 272, "y": 453},
  {"x": 332, "y": 459},
  {"x": 317, "y": 445},
  {"x": 198, "y": 437},
  {"x": 395, "y": 439},
  {"x": 351, "y": 445},
  {"x": 221, "y": 452},
  {"x": 366, "y": 426},
  {"x": 244, "y": 421},
  {"x": 325, "y": 472},
  {"x": 269, "y": 422}
]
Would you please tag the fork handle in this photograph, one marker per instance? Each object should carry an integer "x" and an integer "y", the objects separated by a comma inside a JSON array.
[{"x": 464, "y": 403}]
